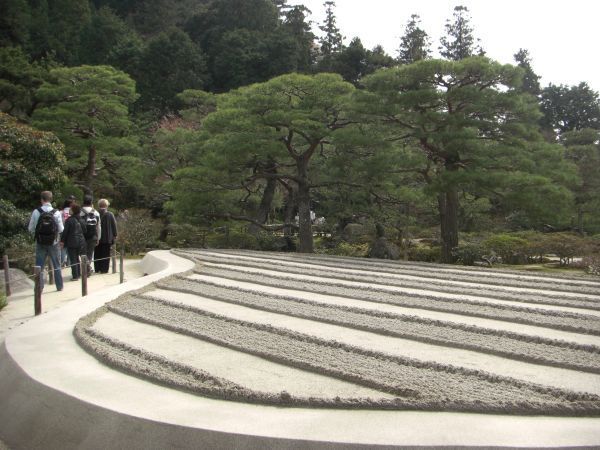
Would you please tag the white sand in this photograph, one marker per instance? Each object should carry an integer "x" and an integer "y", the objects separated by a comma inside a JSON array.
[{"x": 562, "y": 378}]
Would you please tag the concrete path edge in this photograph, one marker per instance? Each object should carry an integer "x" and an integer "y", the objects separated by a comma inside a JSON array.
[{"x": 54, "y": 395}]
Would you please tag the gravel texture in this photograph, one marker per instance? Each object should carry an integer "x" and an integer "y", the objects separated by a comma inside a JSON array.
[
  {"x": 502, "y": 343},
  {"x": 576, "y": 322},
  {"x": 404, "y": 383},
  {"x": 533, "y": 293}
]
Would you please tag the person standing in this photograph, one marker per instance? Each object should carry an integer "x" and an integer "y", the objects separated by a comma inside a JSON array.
[
  {"x": 108, "y": 227},
  {"x": 92, "y": 228},
  {"x": 46, "y": 225},
  {"x": 73, "y": 240},
  {"x": 65, "y": 213}
]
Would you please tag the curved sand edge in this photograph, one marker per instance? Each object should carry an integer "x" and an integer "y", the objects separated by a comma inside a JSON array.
[{"x": 55, "y": 395}]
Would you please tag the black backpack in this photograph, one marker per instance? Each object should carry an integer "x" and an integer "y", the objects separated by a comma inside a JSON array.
[
  {"x": 91, "y": 222},
  {"x": 46, "y": 229}
]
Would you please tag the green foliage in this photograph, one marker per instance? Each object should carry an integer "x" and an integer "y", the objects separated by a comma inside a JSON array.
[
  {"x": 570, "y": 108},
  {"x": 566, "y": 246},
  {"x": 19, "y": 78},
  {"x": 469, "y": 253},
  {"x": 20, "y": 251},
  {"x": 459, "y": 42},
  {"x": 31, "y": 161},
  {"x": 169, "y": 64},
  {"x": 414, "y": 43},
  {"x": 592, "y": 264},
  {"x": 358, "y": 250},
  {"x": 425, "y": 253},
  {"x": 88, "y": 108},
  {"x": 138, "y": 231},
  {"x": 185, "y": 236},
  {"x": 332, "y": 40},
  {"x": 232, "y": 238},
  {"x": 12, "y": 222},
  {"x": 509, "y": 248}
]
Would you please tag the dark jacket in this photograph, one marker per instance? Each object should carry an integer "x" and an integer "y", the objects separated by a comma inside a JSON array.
[
  {"x": 108, "y": 229},
  {"x": 72, "y": 236}
]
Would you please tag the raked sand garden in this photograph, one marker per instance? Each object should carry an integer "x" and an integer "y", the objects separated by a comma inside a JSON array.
[
  {"x": 470, "y": 350},
  {"x": 317, "y": 331}
]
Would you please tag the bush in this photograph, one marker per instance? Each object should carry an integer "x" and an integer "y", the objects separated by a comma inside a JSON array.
[
  {"x": 3, "y": 301},
  {"x": 185, "y": 236},
  {"x": 229, "y": 238},
  {"x": 347, "y": 249},
  {"x": 425, "y": 254},
  {"x": 566, "y": 246},
  {"x": 509, "y": 248},
  {"x": 21, "y": 252},
  {"x": 591, "y": 264},
  {"x": 12, "y": 222},
  {"x": 138, "y": 230},
  {"x": 467, "y": 254}
]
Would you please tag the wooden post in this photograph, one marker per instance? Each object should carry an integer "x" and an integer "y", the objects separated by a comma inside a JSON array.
[
  {"x": 50, "y": 271},
  {"x": 37, "y": 290},
  {"x": 121, "y": 273},
  {"x": 84, "y": 275},
  {"x": 113, "y": 257},
  {"x": 6, "y": 275}
]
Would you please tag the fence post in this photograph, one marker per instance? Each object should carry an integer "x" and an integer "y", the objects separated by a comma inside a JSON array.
[
  {"x": 37, "y": 290},
  {"x": 84, "y": 275},
  {"x": 113, "y": 257},
  {"x": 121, "y": 273},
  {"x": 50, "y": 271},
  {"x": 6, "y": 275}
]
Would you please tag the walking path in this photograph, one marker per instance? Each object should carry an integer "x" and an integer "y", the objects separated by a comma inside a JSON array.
[{"x": 20, "y": 304}]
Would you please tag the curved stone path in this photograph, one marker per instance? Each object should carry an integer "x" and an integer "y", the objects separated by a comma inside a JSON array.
[{"x": 264, "y": 350}]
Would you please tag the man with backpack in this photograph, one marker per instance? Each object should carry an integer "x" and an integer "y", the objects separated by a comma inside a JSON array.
[
  {"x": 91, "y": 228},
  {"x": 46, "y": 225}
]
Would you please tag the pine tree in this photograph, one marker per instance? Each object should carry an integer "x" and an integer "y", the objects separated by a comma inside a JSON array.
[
  {"x": 415, "y": 43},
  {"x": 459, "y": 42},
  {"x": 531, "y": 81},
  {"x": 331, "y": 42}
]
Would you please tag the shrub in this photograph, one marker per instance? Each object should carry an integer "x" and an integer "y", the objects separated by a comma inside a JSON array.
[
  {"x": 467, "y": 254},
  {"x": 21, "y": 251},
  {"x": 566, "y": 246},
  {"x": 425, "y": 254},
  {"x": 12, "y": 222},
  {"x": 347, "y": 249},
  {"x": 509, "y": 248},
  {"x": 185, "y": 236},
  {"x": 591, "y": 264},
  {"x": 3, "y": 301},
  {"x": 232, "y": 239},
  {"x": 138, "y": 230}
]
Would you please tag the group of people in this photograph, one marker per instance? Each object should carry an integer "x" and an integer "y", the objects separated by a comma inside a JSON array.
[{"x": 64, "y": 235}]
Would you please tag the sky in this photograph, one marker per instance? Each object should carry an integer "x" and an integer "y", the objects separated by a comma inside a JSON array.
[{"x": 561, "y": 36}]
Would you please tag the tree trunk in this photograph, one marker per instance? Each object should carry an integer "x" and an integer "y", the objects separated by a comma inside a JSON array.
[
  {"x": 90, "y": 170},
  {"x": 304, "y": 224},
  {"x": 289, "y": 211},
  {"x": 448, "y": 208},
  {"x": 265, "y": 205}
]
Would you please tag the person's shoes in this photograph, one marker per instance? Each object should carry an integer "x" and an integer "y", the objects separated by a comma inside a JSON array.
[
  {"x": 74, "y": 279},
  {"x": 58, "y": 290}
]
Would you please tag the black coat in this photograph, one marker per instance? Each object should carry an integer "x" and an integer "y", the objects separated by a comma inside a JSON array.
[
  {"x": 108, "y": 229},
  {"x": 72, "y": 236}
]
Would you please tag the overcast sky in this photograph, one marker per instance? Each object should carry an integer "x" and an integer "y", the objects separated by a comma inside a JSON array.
[{"x": 561, "y": 36}]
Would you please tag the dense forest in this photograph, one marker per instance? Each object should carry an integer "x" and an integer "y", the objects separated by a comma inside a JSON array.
[{"x": 239, "y": 123}]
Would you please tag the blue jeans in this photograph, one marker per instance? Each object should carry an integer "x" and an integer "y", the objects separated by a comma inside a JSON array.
[{"x": 41, "y": 252}]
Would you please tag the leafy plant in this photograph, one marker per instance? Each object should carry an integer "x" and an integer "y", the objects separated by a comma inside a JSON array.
[{"x": 138, "y": 230}]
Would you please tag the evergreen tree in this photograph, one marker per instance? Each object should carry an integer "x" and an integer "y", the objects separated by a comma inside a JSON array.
[
  {"x": 169, "y": 64},
  {"x": 87, "y": 107},
  {"x": 19, "y": 79},
  {"x": 415, "y": 43},
  {"x": 531, "y": 81},
  {"x": 296, "y": 26},
  {"x": 570, "y": 108},
  {"x": 15, "y": 20},
  {"x": 332, "y": 41},
  {"x": 470, "y": 130},
  {"x": 459, "y": 42},
  {"x": 67, "y": 19}
]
